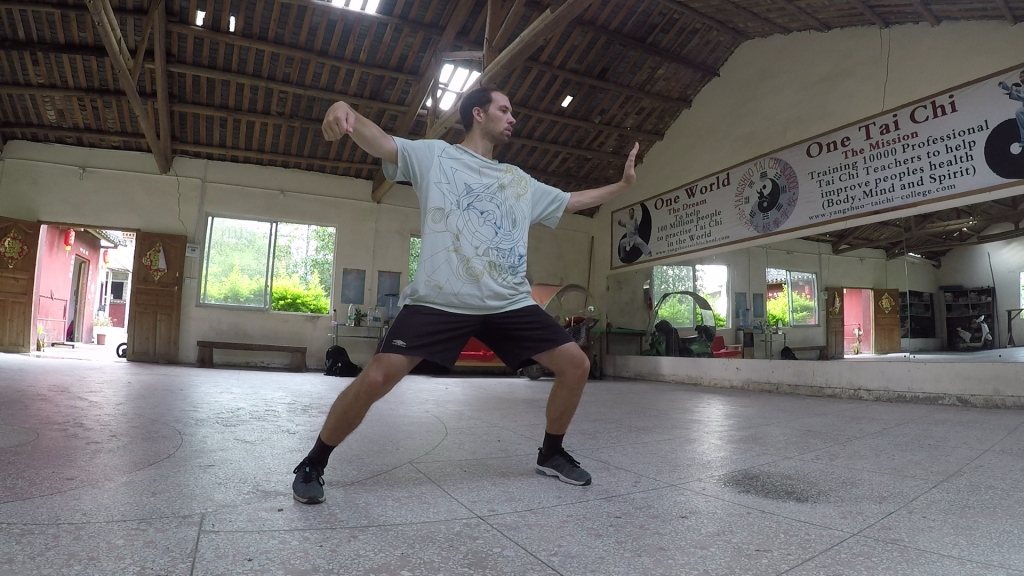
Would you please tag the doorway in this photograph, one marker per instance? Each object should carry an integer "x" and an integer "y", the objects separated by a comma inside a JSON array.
[
  {"x": 858, "y": 327},
  {"x": 76, "y": 302}
]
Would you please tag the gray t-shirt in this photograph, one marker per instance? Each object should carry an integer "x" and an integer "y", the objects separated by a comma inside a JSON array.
[{"x": 475, "y": 218}]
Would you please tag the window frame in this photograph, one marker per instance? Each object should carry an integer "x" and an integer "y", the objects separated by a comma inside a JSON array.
[
  {"x": 268, "y": 285},
  {"x": 693, "y": 282},
  {"x": 789, "y": 295}
]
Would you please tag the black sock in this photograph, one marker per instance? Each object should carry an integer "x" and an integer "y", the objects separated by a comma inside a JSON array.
[
  {"x": 552, "y": 443},
  {"x": 320, "y": 453}
]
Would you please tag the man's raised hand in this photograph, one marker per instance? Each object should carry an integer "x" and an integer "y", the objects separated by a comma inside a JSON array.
[
  {"x": 629, "y": 172},
  {"x": 339, "y": 121}
]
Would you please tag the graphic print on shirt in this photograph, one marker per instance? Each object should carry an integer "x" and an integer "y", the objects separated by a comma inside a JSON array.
[{"x": 486, "y": 214}]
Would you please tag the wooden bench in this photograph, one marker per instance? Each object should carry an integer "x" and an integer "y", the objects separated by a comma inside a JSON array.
[
  {"x": 822, "y": 350},
  {"x": 205, "y": 357}
]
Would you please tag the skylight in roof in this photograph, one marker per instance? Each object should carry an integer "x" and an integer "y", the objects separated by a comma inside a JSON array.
[
  {"x": 360, "y": 5},
  {"x": 453, "y": 80}
]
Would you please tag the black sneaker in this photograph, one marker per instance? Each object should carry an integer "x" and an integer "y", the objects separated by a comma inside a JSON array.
[
  {"x": 563, "y": 466},
  {"x": 308, "y": 486}
]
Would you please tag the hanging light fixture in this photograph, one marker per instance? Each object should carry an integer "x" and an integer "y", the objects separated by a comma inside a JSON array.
[{"x": 69, "y": 239}]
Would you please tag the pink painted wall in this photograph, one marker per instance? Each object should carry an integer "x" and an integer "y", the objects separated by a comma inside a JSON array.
[
  {"x": 117, "y": 314},
  {"x": 857, "y": 304},
  {"x": 55, "y": 274}
]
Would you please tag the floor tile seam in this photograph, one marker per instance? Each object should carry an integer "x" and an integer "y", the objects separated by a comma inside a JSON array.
[
  {"x": 520, "y": 546},
  {"x": 195, "y": 547},
  {"x": 944, "y": 555},
  {"x": 481, "y": 519},
  {"x": 471, "y": 516},
  {"x": 664, "y": 486},
  {"x": 98, "y": 522},
  {"x": 806, "y": 560},
  {"x": 936, "y": 484}
]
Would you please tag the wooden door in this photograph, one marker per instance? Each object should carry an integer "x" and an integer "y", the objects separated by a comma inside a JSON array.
[
  {"x": 155, "y": 312},
  {"x": 19, "y": 247},
  {"x": 834, "y": 322},
  {"x": 885, "y": 318}
]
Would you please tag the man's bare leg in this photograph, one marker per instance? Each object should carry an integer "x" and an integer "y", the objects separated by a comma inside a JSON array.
[
  {"x": 378, "y": 378},
  {"x": 572, "y": 368}
]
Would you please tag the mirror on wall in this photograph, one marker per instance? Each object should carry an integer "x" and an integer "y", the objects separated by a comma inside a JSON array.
[{"x": 947, "y": 284}]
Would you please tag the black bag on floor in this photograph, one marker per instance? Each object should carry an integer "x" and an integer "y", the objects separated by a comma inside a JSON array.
[{"x": 339, "y": 364}]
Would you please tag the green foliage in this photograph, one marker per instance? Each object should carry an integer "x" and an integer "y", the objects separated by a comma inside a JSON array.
[
  {"x": 303, "y": 265},
  {"x": 291, "y": 295},
  {"x": 236, "y": 288},
  {"x": 803, "y": 309},
  {"x": 415, "y": 245}
]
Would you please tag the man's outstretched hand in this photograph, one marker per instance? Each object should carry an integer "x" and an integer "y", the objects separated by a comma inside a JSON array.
[
  {"x": 339, "y": 121},
  {"x": 629, "y": 172}
]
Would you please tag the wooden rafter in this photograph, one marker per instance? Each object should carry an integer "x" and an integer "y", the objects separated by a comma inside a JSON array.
[
  {"x": 110, "y": 32},
  {"x": 700, "y": 16},
  {"x": 239, "y": 40},
  {"x": 636, "y": 134},
  {"x": 163, "y": 102},
  {"x": 147, "y": 28},
  {"x": 182, "y": 146},
  {"x": 845, "y": 238},
  {"x": 544, "y": 26},
  {"x": 584, "y": 79},
  {"x": 755, "y": 17},
  {"x": 1006, "y": 11},
  {"x": 650, "y": 50},
  {"x": 803, "y": 14},
  {"x": 926, "y": 12},
  {"x": 501, "y": 22},
  {"x": 869, "y": 13},
  {"x": 982, "y": 239},
  {"x": 941, "y": 228}
]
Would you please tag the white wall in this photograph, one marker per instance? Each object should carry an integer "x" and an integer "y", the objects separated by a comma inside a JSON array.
[
  {"x": 779, "y": 90},
  {"x": 969, "y": 267},
  {"x": 105, "y": 188}
]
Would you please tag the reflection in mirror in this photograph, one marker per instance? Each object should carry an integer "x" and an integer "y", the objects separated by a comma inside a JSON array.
[{"x": 954, "y": 277}]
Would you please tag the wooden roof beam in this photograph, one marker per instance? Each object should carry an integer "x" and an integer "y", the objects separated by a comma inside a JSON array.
[
  {"x": 147, "y": 29},
  {"x": 845, "y": 238},
  {"x": 708, "y": 20},
  {"x": 110, "y": 32},
  {"x": 755, "y": 17},
  {"x": 185, "y": 146},
  {"x": 818, "y": 24},
  {"x": 654, "y": 51},
  {"x": 928, "y": 15},
  {"x": 1006, "y": 11},
  {"x": 238, "y": 40},
  {"x": 666, "y": 100},
  {"x": 163, "y": 104},
  {"x": 543, "y": 27},
  {"x": 978, "y": 240},
  {"x": 870, "y": 13}
]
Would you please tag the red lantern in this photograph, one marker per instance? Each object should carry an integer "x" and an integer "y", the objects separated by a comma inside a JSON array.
[
  {"x": 106, "y": 257},
  {"x": 69, "y": 239}
]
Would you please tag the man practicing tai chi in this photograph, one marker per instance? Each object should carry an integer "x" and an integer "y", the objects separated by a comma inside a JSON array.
[
  {"x": 471, "y": 278},
  {"x": 1016, "y": 92},
  {"x": 632, "y": 226}
]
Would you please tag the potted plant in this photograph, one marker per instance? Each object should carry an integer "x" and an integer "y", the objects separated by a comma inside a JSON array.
[
  {"x": 40, "y": 338},
  {"x": 99, "y": 325}
]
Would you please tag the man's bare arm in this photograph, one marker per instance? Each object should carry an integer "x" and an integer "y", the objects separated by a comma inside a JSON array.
[{"x": 341, "y": 119}]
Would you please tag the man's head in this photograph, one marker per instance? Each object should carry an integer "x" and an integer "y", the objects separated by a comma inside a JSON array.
[
  {"x": 631, "y": 213},
  {"x": 489, "y": 112}
]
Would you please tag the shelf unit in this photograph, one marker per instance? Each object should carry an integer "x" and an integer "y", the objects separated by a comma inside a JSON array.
[
  {"x": 917, "y": 315},
  {"x": 962, "y": 308}
]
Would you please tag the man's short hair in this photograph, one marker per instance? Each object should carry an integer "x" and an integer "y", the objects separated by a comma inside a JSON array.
[{"x": 476, "y": 98}]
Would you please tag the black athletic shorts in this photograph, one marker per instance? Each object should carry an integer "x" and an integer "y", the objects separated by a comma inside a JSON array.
[{"x": 439, "y": 337}]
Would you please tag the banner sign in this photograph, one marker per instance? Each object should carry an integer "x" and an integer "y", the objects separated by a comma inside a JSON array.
[{"x": 963, "y": 141}]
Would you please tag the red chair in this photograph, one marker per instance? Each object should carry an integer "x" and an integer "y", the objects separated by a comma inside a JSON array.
[{"x": 720, "y": 350}]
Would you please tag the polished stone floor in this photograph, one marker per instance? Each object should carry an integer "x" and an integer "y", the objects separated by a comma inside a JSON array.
[{"x": 113, "y": 468}]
